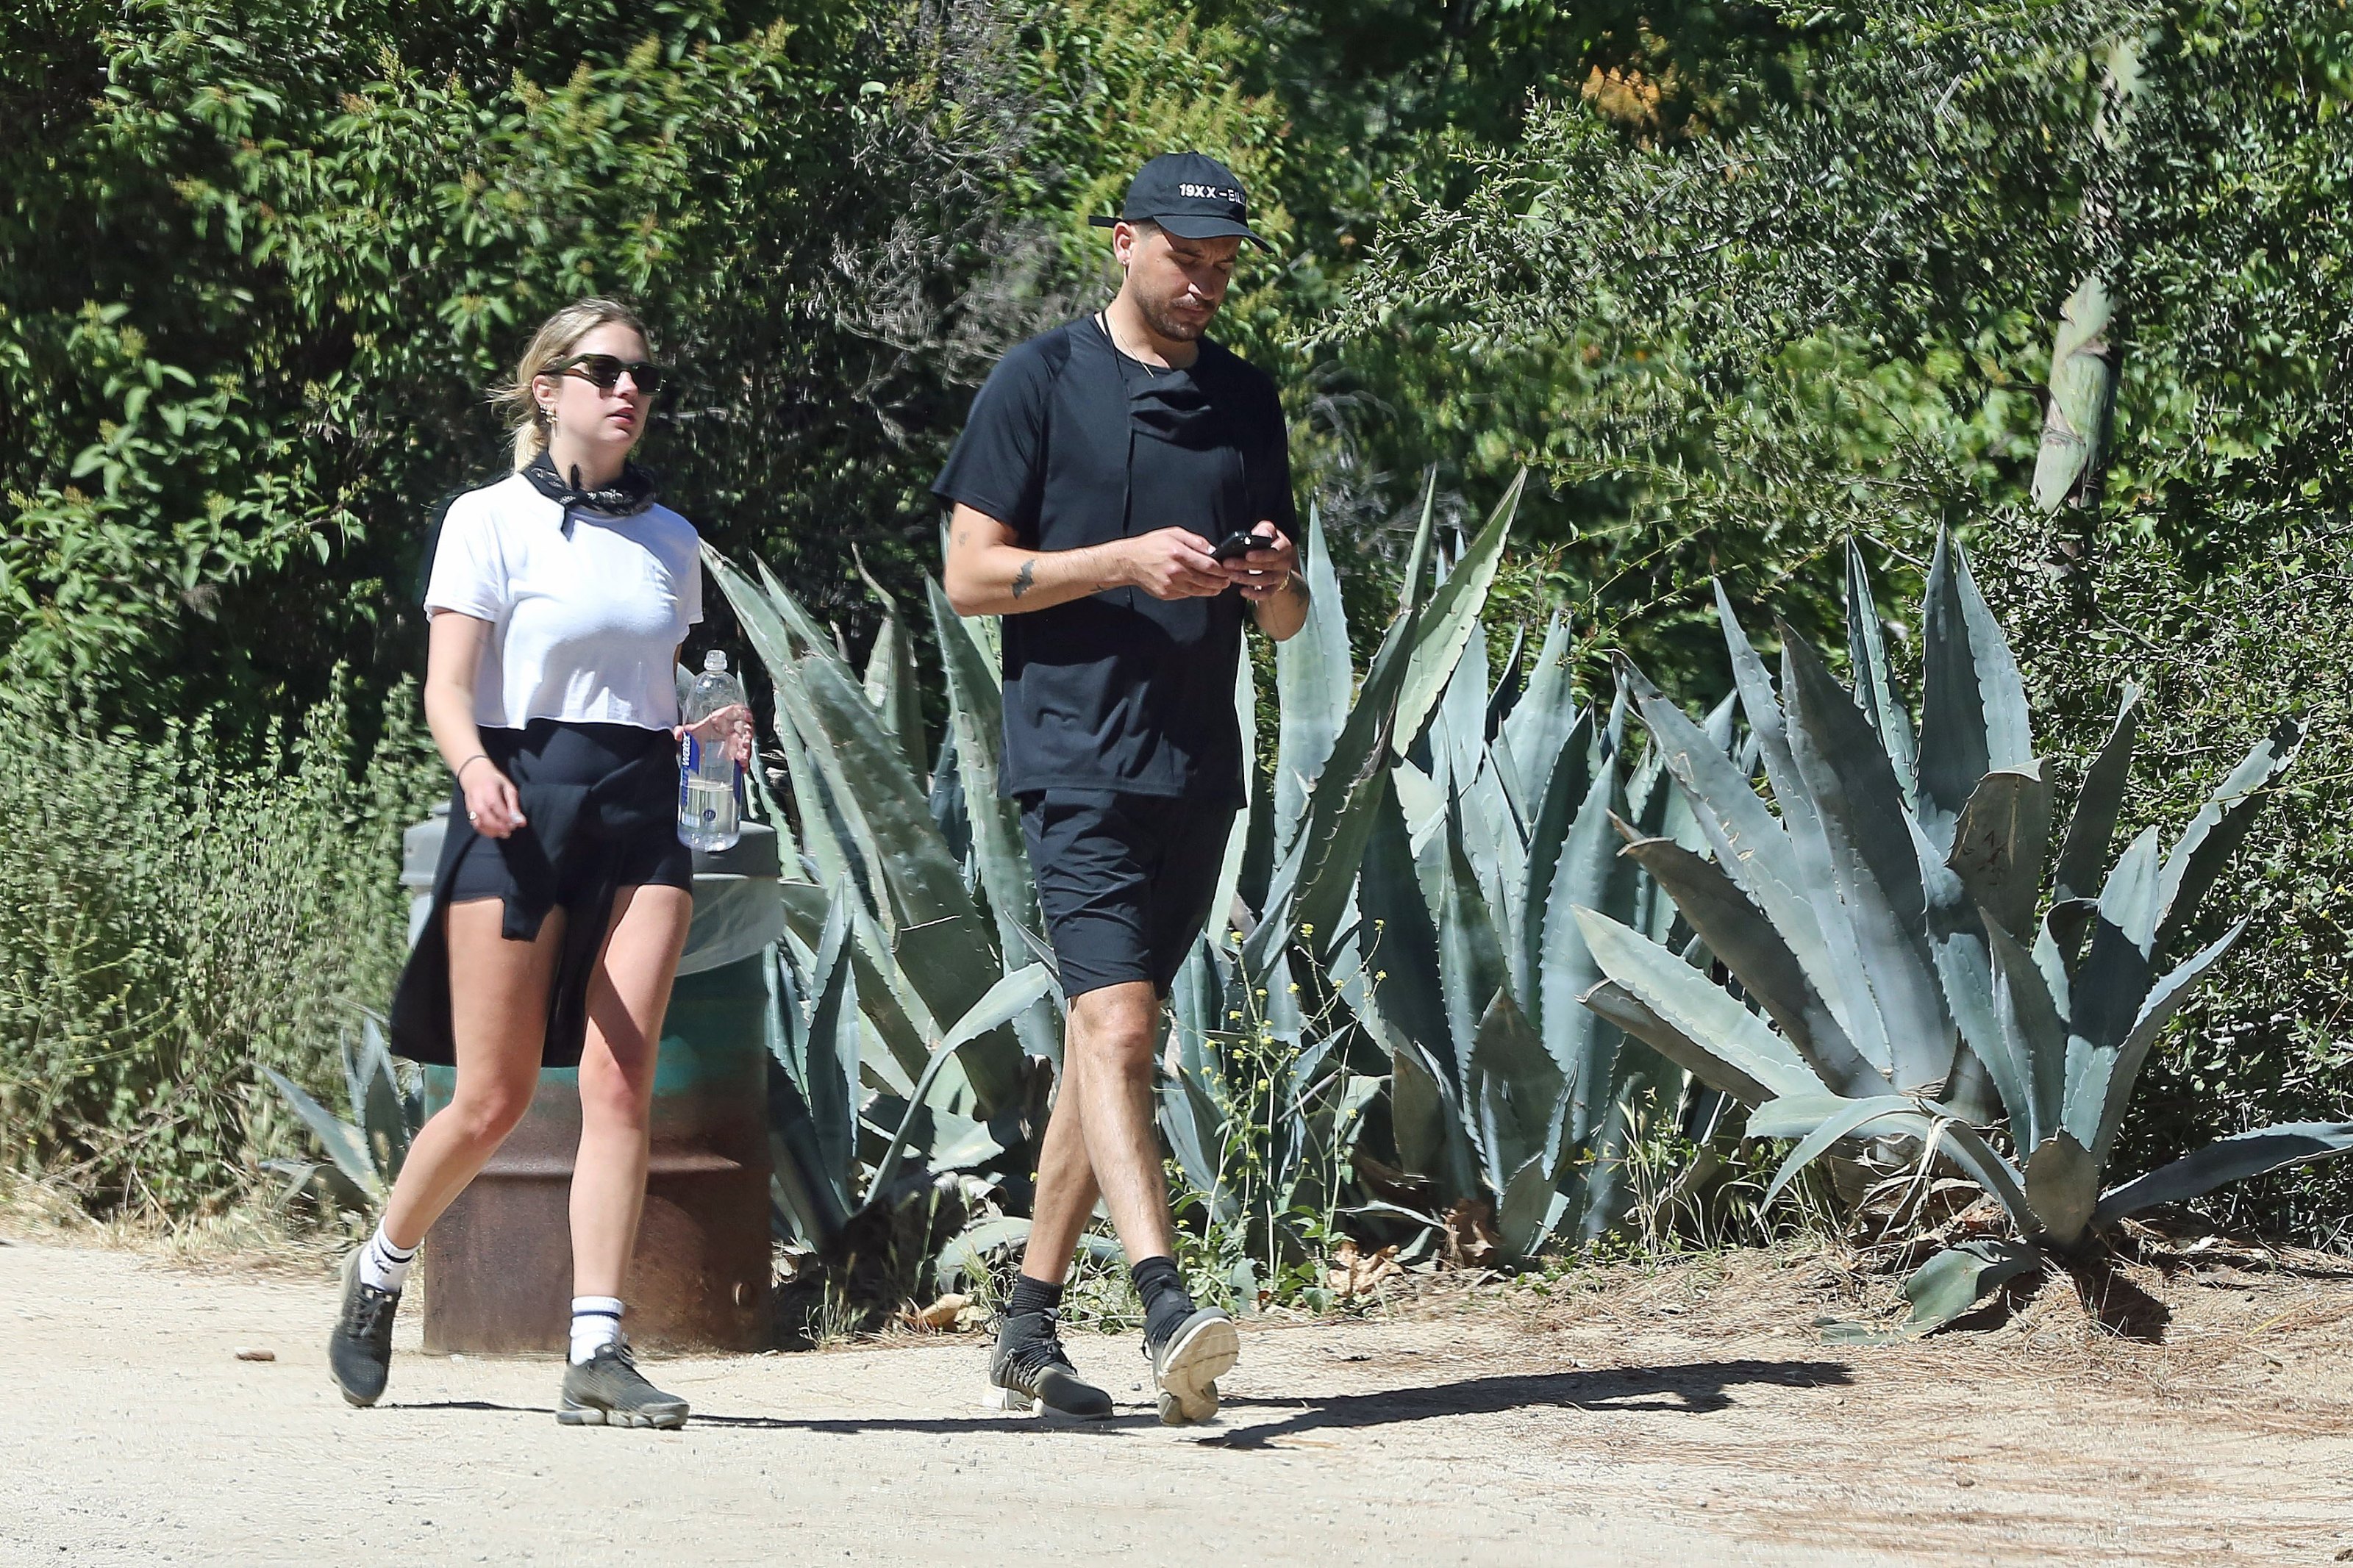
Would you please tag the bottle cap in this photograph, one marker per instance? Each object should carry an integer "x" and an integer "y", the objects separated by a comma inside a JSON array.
[{"x": 714, "y": 663}]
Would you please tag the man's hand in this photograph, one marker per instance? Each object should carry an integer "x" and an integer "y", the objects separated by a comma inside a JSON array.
[
  {"x": 1266, "y": 570},
  {"x": 1175, "y": 563}
]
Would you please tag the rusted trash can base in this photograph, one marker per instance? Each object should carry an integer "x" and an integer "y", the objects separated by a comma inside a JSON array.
[
  {"x": 692, "y": 1285},
  {"x": 498, "y": 1264}
]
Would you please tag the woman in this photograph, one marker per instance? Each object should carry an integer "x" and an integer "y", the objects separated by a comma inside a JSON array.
[{"x": 558, "y": 601}]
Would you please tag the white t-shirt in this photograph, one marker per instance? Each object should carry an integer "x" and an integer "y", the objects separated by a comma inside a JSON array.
[{"x": 585, "y": 628}]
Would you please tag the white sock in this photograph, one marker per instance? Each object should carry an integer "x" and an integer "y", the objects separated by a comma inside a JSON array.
[
  {"x": 596, "y": 1323},
  {"x": 383, "y": 1265}
]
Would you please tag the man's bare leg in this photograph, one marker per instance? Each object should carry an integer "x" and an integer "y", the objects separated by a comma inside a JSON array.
[
  {"x": 1029, "y": 1371},
  {"x": 1066, "y": 1179},
  {"x": 1116, "y": 1031}
]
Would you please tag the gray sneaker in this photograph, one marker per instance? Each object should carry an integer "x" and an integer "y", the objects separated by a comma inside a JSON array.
[
  {"x": 359, "y": 1352},
  {"x": 1029, "y": 1374},
  {"x": 1186, "y": 1365},
  {"x": 608, "y": 1390}
]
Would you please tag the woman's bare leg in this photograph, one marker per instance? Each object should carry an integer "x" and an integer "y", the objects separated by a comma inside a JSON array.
[
  {"x": 629, "y": 991},
  {"x": 497, "y": 1017}
]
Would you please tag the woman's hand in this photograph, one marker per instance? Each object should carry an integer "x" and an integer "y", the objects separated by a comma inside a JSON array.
[
  {"x": 491, "y": 804},
  {"x": 730, "y": 727}
]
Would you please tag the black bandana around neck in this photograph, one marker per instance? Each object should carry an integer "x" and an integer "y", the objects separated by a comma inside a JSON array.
[{"x": 630, "y": 494}]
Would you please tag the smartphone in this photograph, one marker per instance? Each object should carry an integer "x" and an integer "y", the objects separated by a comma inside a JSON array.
[{"x": 1237, "y": 545}]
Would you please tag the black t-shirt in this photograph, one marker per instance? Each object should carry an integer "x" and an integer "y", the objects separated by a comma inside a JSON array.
[{"x": 1071, "y": 443}]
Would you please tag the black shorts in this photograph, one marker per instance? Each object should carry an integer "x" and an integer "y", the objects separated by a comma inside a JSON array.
[
  {"x": 1124, "y": 882},
  {"x": 549, "y": 753}
]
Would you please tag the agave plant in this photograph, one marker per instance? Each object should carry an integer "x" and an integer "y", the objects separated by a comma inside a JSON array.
[
  {"x": 364, "y": 1155},
  {"x": 841, "y": 1144},
  {"x": 1426, "y": 833},
  {"x": 906, "y": 1018},
  {"x": 1856, "y": 917},
  {"x": 1879, "y": 924},
  {"x": 1270, "y": 1063},
  {"x": 1504, "y": 1091}
]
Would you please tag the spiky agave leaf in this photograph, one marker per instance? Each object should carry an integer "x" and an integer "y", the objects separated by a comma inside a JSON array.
[
  {"x": 1973, "y": 717},
  {"x": 1746, "y": 942},
  {"x": 2227, "y": 1160},
  {"x": 2221, "y": 825},
  {"x": 345, "y": 1144},
  {"x": 1446, "y": 624},
  {"x": 1311, "y": 883},
  {"x": 892, "y": 685},
  {"x": 387, "y": 1114},
  {"x": 1586, "y": 873},
  {"x": 1654, "y": 995},
  {"x": 812, "y": 1095},
  {"x": 1405, "y": 990},
  {"x": 1569, "y": 777},
  {"x": 1313, "y": 680},
  {"x": 1950, "y": 1286},
  {"x": 1826, "y": 940},
  {"x": 976, "y": 714},
  {"x": 1538, "y": 729},
  {"x": 1875, "y": 867},
  {"x": 2101, "y": 1076},
  {"x": 2098, "y": 803},
  {"x": 1190, "y": 1116},
  {"x": 1874, "y": 682},
  {"x": 1253, "y": 826},
  {"x": 1006, "y": 998}
]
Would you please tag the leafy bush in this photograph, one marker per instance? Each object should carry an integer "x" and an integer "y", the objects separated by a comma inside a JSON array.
[{"x": 179, "y": 918}]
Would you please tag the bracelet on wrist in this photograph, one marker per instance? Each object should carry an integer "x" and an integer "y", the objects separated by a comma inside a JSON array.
[{"x": 478, "y": 757}]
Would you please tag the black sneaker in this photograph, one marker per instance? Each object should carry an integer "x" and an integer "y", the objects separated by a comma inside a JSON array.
[
  {"x": 1029, "y": 1374},
  {"x": 1188, "y": 1363},
  {"x": 359, "y": 1352},
  {"x": 608, "y": 1390}
]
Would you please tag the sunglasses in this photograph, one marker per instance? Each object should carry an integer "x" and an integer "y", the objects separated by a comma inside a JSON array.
[{"x": 605, "y": 370}]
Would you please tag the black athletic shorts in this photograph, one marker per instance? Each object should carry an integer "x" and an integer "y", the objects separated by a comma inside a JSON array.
[
  {"x": 1124, "y": 882},
  {"x": 548, "y": 755}
]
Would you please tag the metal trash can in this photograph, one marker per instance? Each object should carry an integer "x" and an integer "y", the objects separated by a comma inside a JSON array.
[{"x": 498, "y": 1265}]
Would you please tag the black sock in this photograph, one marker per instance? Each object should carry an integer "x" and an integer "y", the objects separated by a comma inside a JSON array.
[
  {"x": 1033, "y": 1295},
  {"x": 1165, "y": 1304}
]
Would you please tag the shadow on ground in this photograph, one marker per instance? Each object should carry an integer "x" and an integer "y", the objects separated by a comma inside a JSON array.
[{"x": 1696, "y": 1388}]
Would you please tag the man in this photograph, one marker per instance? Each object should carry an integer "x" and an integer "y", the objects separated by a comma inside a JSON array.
[{"x": 1104, "y": 465}]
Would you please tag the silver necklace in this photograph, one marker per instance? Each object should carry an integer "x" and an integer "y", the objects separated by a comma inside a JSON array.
[{"x": 1102, "y": 319}]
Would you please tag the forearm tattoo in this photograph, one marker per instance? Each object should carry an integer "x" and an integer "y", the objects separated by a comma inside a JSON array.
[{"x": 1025, "y": 579}]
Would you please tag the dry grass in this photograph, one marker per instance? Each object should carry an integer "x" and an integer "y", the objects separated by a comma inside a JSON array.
[{"x": 251, "y": 1237}]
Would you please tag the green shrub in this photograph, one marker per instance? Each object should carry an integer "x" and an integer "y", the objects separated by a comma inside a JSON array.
[{"x": 182, "y": 912}]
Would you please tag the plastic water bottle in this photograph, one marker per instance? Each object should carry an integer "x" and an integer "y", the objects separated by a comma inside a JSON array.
[{"x": 710, "y": 780}]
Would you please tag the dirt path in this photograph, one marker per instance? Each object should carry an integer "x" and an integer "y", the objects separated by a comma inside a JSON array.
[{"x": 1611, "y": 1428}]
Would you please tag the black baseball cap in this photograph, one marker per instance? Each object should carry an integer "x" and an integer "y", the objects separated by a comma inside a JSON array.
[{"x": 1190, "y": 195}]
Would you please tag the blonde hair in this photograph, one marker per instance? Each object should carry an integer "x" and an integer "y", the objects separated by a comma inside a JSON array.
[{"x": 549, "y": 346}]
